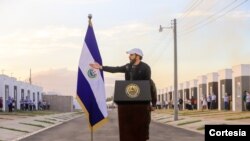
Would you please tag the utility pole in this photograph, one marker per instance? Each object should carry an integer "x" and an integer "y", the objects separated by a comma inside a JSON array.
[
  {"x": 175, "y": 68},
  {"x": 30, "y": 78},
  {"x": 175, "y": 74}
]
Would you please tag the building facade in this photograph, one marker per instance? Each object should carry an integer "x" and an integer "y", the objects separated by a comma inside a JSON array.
[
  {"x": 10, "y": 88},
  {"x": 231, "y": 81}
]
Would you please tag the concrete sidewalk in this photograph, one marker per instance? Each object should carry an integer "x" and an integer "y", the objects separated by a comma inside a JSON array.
[
  {"x": 196, "y": 120},
  {"x": 14, "y": 128},
  {"x": 77, "y": 130}
]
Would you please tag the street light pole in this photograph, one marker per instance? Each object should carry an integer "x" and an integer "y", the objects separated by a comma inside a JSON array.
[
  {"x": 175, "y": 74},
  {"x": 175, "y": 69}
]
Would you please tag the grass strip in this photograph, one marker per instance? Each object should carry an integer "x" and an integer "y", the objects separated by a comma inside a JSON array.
[
  {"x": 51, "y": 119},
  {"x": 78, "y": 113},
  {"x": 12, "y": 129},
  {"x": 215, "y": 114},
  {"x": 168, "y": 121},
  {"x": 36, "y": 125},
  {"x": 161, "y": 118},
  {"x": 29, "y": 113},
  {"x": 237, "y": 118},
  {"x": 166, "y": 117},
  {"x": 6, "y": 118},
  {"x": 63, "y": 118},
  {"x": 200, "y": 128},
  {"x": 44, "y": 121},
  {"x": 195, "y": 113},
  {"x": 172, "y": 120},
  {"x": 188, "y": 122}
]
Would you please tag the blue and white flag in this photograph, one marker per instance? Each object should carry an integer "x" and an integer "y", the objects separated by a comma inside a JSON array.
[{"x": 90, "y": 82}]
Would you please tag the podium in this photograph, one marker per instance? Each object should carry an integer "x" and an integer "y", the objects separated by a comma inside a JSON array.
[{"x": 133, "y": 100}]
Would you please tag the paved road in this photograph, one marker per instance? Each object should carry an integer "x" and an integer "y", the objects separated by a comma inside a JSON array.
[{"x": 77, "y": 130}]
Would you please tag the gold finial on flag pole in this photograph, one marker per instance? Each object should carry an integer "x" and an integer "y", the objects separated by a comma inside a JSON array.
[{"x": 90, "y": 17}]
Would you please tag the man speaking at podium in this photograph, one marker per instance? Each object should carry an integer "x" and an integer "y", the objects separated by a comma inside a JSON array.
[{"x": 135, "y": 70}]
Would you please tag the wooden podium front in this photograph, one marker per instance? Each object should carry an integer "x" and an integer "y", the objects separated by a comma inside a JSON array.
[{"x": 133, "y": 100}]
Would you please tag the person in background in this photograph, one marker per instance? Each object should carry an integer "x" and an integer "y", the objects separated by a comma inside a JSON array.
[
  {"x": 30, "y": 105},
  {"x": 209, "y": 101},
  {"x": 26, "y": 102},
  {"x": 188, "y": 104},
  {"x": 244, "y": 99},
  {"x": 22, "y": 104},
  {"x": 158, "y": 104},
  {"x": 248, "y": 101},
  {"x": 34, "y": 105},
  {"x": 9, "y": 102},
  {"x": 193, "y": 102},
  {"x": 226, "y": 101},
  {"x": 204, "y": 103},
  {"x": 213, "y": 102},
  {"x": 166, "y": 104},
  {"x": 13, "y": 104},
  {"x": 180, "y": 105}
]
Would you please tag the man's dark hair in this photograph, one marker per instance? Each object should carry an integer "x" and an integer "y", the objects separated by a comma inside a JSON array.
[{"x": 139, "y": 56}]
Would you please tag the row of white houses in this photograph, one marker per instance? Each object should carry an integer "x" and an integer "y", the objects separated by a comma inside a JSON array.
[
  {"x": 233, "y": 81},
  {"x": 10, "y": 87}
]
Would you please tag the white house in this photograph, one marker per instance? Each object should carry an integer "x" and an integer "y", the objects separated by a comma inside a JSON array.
[{"x": 10, "y": 87}]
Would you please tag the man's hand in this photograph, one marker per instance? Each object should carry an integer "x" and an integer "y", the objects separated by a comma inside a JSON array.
[
  {"x": 152, "y": 108},
  {"x": 96, "y": 65}
]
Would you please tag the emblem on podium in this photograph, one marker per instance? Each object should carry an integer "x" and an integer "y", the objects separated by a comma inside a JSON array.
[{"x": 132, "y": 90}]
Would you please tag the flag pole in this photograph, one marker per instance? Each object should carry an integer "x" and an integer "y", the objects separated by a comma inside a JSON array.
[
  {"x": 91, "y": 133},
  {"x": 90, "y": 23}
]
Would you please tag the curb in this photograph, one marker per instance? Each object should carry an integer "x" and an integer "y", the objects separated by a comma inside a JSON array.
[{"x": 43, "y": 129}]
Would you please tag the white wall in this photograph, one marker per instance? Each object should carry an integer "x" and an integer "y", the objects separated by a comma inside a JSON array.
[
  {"x": 223, "y": 74},
  {"x": 11, "y": 82},
  {"x": 238, "y": 70}
]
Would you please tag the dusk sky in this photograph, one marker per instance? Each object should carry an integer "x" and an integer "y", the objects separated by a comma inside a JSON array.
[{"x": 47, "y": 36}]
